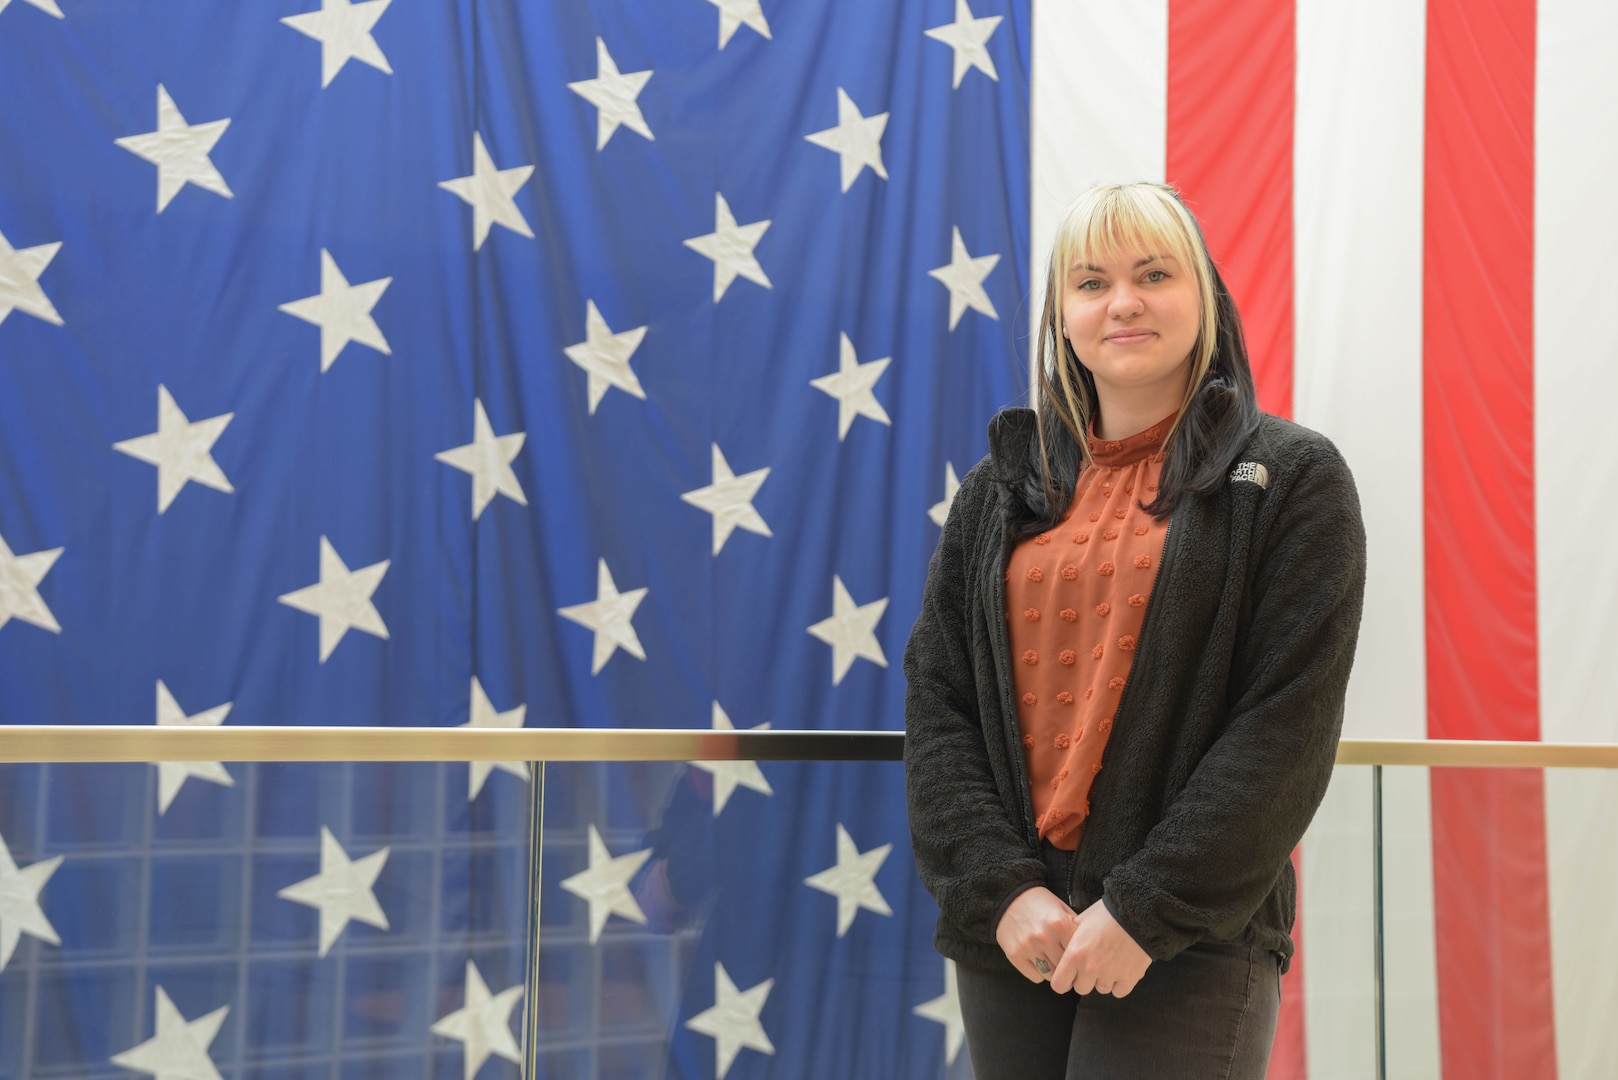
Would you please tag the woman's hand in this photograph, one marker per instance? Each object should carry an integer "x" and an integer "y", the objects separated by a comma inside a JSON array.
[
  {"x": 1034, "y": 931},
  {"x": 1100, "y": 956}
]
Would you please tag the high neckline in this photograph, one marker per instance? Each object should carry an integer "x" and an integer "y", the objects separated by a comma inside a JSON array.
[{"x": 1112, "y": 453}]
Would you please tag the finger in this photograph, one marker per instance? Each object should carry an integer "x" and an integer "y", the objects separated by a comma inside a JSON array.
[
  {"x": 1123, "y": 987},
  {"x": 1027, "y": 971},
  {"x": 1066, "y": 974}
]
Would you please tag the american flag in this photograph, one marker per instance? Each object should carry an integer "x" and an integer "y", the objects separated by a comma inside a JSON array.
[
  {"x": 493, "y": 363},
  {"x": 467, "y": 323}
]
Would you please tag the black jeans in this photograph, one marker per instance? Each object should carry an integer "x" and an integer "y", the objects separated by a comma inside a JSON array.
[{"x": 1207, "y": 1014}]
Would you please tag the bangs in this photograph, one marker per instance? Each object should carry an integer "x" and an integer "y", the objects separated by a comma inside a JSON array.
[{"x": 1113, "y": 220}]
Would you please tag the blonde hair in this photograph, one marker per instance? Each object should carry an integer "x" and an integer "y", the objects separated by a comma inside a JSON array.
[{"x": 1105, "y": 222}]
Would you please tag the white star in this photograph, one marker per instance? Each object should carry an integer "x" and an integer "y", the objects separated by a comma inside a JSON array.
[
  {"x": 729, "y": 775},
  {"x": 487, "y": 459},
  {"x": 852, "y": 384},
  {"x": 172, "y": 774},
  {"x": 609, "y": 615},
  {"x": 946, "y": 1010},
  {"x": 733, "y": 14},
  {"x": 968, "y": 37},
  {"x": 483, "y": 1024},
  {"x": 20, "y": 576},
  {"x": 341, "y": 600},
  {"x": 181, "y": 449},
  {"x": 20, "y": 912},
  {"x": 605, "y": 355},
  {"x": 47, "y": 6},
  {"x": 856, "y": 139},
  {"x": 852, "y": 880},
  {"x": 180, "y": 151},
  {"x": 342, "y": 311},
  {"x": 342, "y": 890},
  {"x": 730, "y": 500},
  {"x": 963, "y": 277},
  {"x": 344, "y": 32},
  {"x": 179, "y": 1049},
  {"x": 605, "y": 885},
  {"x": 19, "y": 280},
  {"x": 490, "y": 192},
  {"x": 614, "y": 96},
  {"x": 730, "y": 246},
  {"x": 484, "y": 716},
  {"x": 733, "y": 1022},
  {"x": 850, "y": 631},
  {"x": 940, "y": 510}
]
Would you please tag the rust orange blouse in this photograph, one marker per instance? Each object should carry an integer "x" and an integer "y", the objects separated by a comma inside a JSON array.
[{"x": 1075, "y": 600}]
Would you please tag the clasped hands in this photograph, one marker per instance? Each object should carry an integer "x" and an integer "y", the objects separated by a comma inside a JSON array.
[{"x": 1084, "y": 951}]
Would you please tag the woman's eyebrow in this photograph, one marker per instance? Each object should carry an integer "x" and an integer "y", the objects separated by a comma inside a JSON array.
[{"x": 1098, "y": 270}]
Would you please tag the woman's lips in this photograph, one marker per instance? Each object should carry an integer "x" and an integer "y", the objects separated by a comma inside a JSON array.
[{"x": 1130, "y": 337}]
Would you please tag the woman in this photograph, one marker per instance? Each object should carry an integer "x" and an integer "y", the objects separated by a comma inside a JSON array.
[{"x": 1150, "y": 575}]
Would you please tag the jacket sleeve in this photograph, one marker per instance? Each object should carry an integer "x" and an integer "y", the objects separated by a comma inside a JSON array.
[
  {"x": 1218, "y": 850},
  {"x": 970, "y": 855}
]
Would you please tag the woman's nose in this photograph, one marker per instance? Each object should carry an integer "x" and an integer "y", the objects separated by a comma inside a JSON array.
[{"x": 1126, "y": 302}]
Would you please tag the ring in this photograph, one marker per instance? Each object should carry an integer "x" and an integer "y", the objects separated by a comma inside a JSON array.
[{"x": 1042, "y": 965}]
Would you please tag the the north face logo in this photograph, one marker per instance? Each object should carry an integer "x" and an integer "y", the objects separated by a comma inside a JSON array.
[{"x": 1252, "y": 472}]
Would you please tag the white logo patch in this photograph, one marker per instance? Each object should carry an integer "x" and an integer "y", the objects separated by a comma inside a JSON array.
[{"x": 1252, "y": 472}]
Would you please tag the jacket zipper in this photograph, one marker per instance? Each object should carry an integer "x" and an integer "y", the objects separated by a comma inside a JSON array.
[
  {"x": 1002, "y": 655},
  {"x": 1145, "y": 624}
]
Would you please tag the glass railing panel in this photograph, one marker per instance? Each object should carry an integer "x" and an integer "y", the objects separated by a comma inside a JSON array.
[
  {"x": 625, "y": 1002},
  {"x": 695, "y": 923},
  {"x": 1499, "y": 927},
  {"x": 282, "y": 920},
  {"x": 1326, "y": 1027}
]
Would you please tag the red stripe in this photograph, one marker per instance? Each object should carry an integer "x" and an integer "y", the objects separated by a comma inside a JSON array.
[
  {"x": 1490, "y": 886},
  {"x": 1230, "y": 115}
]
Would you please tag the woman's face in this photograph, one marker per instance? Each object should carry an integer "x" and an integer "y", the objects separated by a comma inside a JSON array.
[{"x": 1132, "y": 320}]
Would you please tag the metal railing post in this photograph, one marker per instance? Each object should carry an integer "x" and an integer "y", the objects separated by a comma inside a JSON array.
[
  {"x": 1378, "y": 955},
  {"x": 536, "y": 852}
]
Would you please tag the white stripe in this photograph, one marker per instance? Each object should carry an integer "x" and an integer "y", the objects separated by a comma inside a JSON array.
[
  {"x": 1581, "y": 825},
  {"x": 1576, "y": 472},
  {"x": 1411, "y": 963},
  {"x": 1098, "y": 104},
  {"x": 1576, "y": 369},
  {"x": 1358, "y": 159},
  {"x": 1336, "y": 931}
]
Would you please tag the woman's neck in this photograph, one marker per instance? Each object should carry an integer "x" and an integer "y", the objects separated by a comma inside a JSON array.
[{"x": 1123, "y": 415}]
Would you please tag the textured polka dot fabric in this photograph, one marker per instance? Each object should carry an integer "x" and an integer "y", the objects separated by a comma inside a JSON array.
[{"x": 1068, "y": 707}]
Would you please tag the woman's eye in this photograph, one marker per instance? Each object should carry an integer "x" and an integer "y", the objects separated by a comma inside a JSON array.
[
  {"x": 1156, "y": 275},
  {"x": 1090, "y": 284}
]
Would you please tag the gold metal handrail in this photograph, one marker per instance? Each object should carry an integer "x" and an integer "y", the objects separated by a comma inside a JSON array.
[
  {"x": 67, "y": 742},
  {"x": 92, "y": 743},
  {"x": 1478, "y": 754}
]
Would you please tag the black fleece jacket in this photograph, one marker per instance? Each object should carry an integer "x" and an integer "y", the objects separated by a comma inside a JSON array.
[{"x": 1225, "y": 736}]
